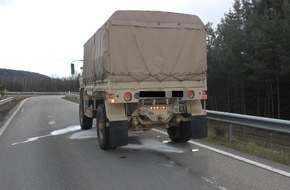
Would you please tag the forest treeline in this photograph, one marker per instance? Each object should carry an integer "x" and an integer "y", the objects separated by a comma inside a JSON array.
[
  {"x": 24, "y": 81},
  {"x": 249, "y": 59}
]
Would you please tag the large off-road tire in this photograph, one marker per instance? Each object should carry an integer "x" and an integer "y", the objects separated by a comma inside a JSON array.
[
  {"x": 85, "y": 122},
  {"x": 181, "y": 133},
  {"x": 102, "y": 128}
]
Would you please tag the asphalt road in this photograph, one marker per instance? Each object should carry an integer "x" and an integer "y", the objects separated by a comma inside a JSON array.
[{"x": 43, "y": 147}]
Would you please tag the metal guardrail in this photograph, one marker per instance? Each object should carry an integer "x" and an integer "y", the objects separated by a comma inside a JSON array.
[
  {"x": 72, "y": 94},
  {"x": 277, "y": 125},
  {"x": 270, "y": 124},
  {"x": 35, "y": 93},
  {"x": 6, "y": 101},
  {"x": 264, "y": 123}
]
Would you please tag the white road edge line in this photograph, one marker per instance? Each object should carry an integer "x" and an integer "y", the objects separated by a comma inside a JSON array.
[
  {"x": 2, "y": 129},
  {"x": 248, "y": 161}
]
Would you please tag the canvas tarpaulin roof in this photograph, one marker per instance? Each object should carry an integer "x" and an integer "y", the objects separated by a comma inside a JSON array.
[{"x": 146, "y": 46}]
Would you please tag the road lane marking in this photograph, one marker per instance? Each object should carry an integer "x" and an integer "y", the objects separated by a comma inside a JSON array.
[
  {"x": 51, "y": 122},
  {"x": 11, "y": 117},
  {"x": 31, "y": 139},
  {"x": 53, "y": 133},
  {"x": 213, "y": 182},
  {"x": 246, "y": 160}
]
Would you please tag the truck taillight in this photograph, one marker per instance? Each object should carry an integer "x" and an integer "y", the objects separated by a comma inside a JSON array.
[
  {"x": 127, "y": 96},
  {"x": 111, "y": 101},
  {"x": 190, "y": 94},
  {"x": 111, "y": 98}
]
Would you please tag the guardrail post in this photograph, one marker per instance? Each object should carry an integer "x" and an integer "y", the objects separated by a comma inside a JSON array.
[
  {"x": 230, "y": 133},
  {"x": 244, "y": 134}
]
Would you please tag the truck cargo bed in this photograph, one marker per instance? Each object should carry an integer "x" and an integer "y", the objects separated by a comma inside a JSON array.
[{"x": 147, "y": 46}]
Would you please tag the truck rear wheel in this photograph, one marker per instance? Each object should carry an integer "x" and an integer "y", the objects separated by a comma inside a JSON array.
[
  {"x": 180, "y": 134},
  {"x": 85, "y": 122},
  {"x": 102, "y": 129}
]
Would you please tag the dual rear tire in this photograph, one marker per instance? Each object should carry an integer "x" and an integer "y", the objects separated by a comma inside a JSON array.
[
  {"x": 181, "y": 133},
  {"x": 85, "y": 122},
  {"x": 102, "y": 128}
]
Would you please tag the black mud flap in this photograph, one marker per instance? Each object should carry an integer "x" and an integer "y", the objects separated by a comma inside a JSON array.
[
  {"x": 118, "y": 133},
  {"x": 198, "y": 127}
]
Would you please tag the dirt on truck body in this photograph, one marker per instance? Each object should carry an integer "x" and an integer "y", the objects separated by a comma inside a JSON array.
[{"x": 145, "y": 69}]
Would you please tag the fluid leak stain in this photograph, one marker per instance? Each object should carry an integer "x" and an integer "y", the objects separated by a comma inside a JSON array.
[
  {"x": 53, "y": 133},
  {"x": 140, "y": 144},
  {"x": 66, "y": 130},
  {"x": 155, "y": 145},
  {"x": 84, "y": 135}
]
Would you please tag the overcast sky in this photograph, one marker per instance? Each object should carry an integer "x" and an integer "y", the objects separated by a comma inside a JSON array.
[{"x": 45, "y": 36}]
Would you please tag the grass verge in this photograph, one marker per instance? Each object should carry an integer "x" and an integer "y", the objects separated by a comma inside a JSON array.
[
  {"x": 4, "y": 111},
  {"x": 72, "y": 99},
  {"x": 268, "y": 145}
]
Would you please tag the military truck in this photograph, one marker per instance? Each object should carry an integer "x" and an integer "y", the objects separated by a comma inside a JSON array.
[{"x": 145, "y": 69}]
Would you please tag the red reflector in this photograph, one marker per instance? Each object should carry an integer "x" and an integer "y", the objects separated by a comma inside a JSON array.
[
  {"x": 127, "y": 96},
  {"x": 204, "y": 96},
  {"x": 190, "y": 94}
]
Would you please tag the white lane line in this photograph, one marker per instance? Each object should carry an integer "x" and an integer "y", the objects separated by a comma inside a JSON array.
[
  {"x": 51, "y": 122},
  {"x": 195, "y": 150},
  {"x": 248, "y": 161},
  {"x": 30, "y": 140},
  {"x": 213, "y": 182},
  {"x": 53, "y": 133},
  {"x": 10, "y": 118}
]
